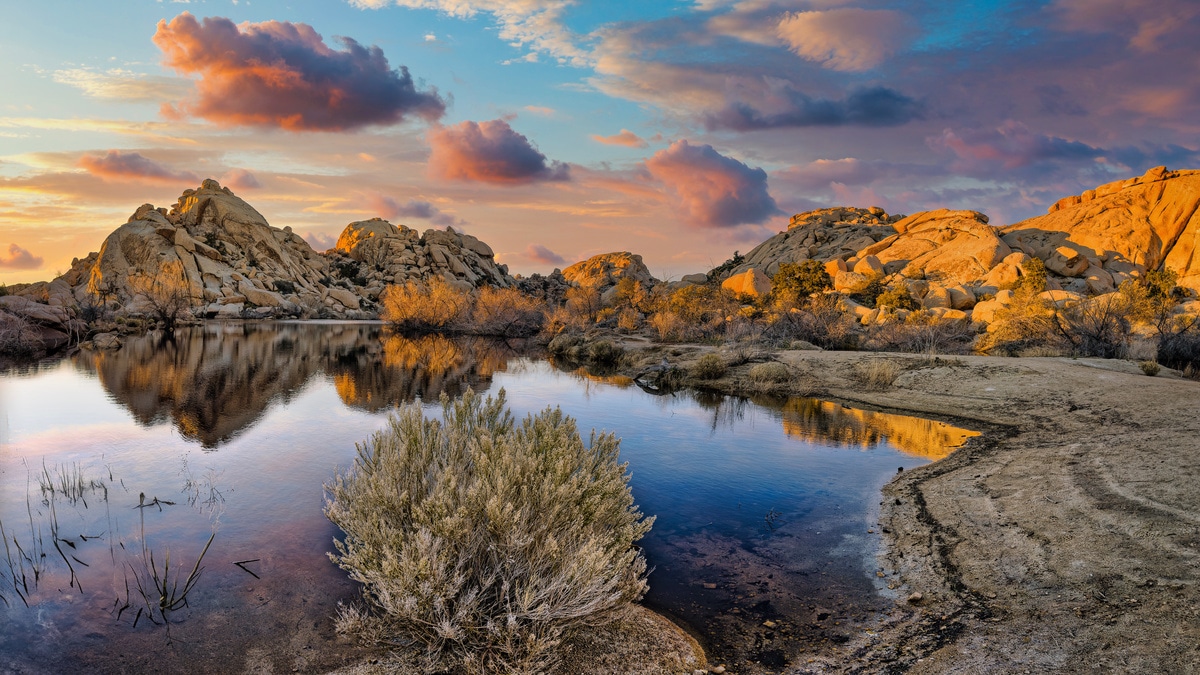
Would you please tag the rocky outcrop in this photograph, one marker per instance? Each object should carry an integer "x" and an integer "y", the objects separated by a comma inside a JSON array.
[
  {"x": 835, "y": 233},
  {"x": 389, "y": 254},
  {"x": 951, "y": 247},
  {"x": 230, "y": 262},
  {"x": 605, "y": 270},
  {"x": 1098, "y": 239}
]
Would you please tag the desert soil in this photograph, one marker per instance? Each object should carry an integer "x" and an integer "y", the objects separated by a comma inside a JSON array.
[{"x": 1065, "y": 538}]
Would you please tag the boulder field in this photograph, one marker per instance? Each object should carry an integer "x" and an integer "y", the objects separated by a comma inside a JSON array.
[
  {"x": 1088, "y": 244},
  {"x": 231, "y": 263}
]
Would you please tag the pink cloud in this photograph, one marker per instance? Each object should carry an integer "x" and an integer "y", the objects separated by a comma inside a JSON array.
[
  {"x": 540, "y": 254},
  {"x": 281, "y": 74},
  {"x": 1147, "y": 23},
  {"x": 626, "y": 138},
  {"x": 391, "y": 209},
  {"x": 116, "y": 164},
  {"x": 320, "y": 241},
  {"x": 846, "y": 38},
  {"x": 1010, "y": 146},
  {"x": 20, "y": 259},
  {"x": 490, "y": 152},
  {"x": 713, "y": 190},
  {"x": 240, "y": 179}
]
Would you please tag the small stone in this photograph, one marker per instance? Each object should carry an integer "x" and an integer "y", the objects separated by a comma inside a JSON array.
[
  {"x": 770, "y": 624},
  {"x": 718, "y": 670},
  {"x": 710, "y": 586},
  {"x": 916, "y": 597}
]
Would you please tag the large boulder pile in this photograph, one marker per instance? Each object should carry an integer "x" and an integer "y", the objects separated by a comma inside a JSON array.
[
  {"x": 949, "y": 260},
  {"x": 389, "y": 254},
  {"x": 231, "y": 263},
  {"x": 603, "y": 271},
  {"x": 1096, "y": 240}
]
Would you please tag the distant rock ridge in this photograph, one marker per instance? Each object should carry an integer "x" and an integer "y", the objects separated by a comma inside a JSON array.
[
  {"x": 234, "y": 264},
  {"x": 1088, "y": 244}
]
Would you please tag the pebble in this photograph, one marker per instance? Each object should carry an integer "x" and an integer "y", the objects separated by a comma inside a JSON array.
[
  {"x": 719, "y": 670},
  {"x": 916, "y": 597},
  {"x": 710, "y": 586},
  {"x": 770, "y": 624}
]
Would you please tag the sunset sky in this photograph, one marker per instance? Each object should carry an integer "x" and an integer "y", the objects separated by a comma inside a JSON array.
[{"x": 557, "y": 129}]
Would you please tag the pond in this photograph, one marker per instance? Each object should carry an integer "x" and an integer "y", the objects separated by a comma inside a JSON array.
[{"x": 120, "y": 470}]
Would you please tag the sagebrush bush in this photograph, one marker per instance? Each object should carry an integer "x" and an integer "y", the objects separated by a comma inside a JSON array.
[
  {"x": 507, "y": 312},
  {"x": 709, "y": 367},
  {"x": 877, "y": 373},
  {"x": 770, "y": 373},
  {"x": 483, "y": 539},
  {"x": 822, "y": 321},
  {"x": 922, "y": 333},
  {"x": 1149, "y": 368},
  {"x": 796, "y": 282}
]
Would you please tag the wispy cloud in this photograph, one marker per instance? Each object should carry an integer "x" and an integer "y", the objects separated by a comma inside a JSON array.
[
  {"x": 540, "y": 254},
  {"x": 20, "y": 259},
  {"x": 625, "y": 137},
  {"x": 117, "y": 164},
  {"x": 123, "y": 85}
]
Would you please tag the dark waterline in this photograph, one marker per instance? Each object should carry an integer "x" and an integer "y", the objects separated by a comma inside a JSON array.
[{"x": 762, "y": 505}]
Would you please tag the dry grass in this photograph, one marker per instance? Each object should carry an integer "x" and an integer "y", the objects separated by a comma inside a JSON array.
[
  {"x": 709, "y": 367},
  {"x": 770, "y": 373},
  {"x": 877, "y": 374}
]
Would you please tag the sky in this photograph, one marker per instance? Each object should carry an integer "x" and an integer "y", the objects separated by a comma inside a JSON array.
[{"x": 555, "y": 130}]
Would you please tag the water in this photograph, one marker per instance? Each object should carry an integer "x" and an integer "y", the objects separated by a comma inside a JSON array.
[{"x": 110, "y": 460}]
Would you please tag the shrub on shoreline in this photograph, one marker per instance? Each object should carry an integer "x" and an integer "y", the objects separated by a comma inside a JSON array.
[{"x": 486, "y": 540}]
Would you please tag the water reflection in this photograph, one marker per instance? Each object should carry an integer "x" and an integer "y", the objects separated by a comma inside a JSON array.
[
  {"x": 216, "y": 380},
  {"x": 823, "y": 421}
]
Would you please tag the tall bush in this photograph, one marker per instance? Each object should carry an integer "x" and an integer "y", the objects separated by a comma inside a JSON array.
[
  {"x": 417, "y": 306},
  {"x": 486, "y": 540}
]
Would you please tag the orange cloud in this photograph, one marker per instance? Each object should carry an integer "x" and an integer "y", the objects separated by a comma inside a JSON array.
[
  {"x": 490, "y": 152},
  {"x": 281, "y": 74},
  {"x": 20, "y": 259},
  {"x": 116, "y": 164},
  {"x": 626, "y": 138}
]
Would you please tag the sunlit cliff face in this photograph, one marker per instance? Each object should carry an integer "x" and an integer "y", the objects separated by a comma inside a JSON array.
[
  {"x": 217, "y": 380},
  {"x": 823, "y": 421}
]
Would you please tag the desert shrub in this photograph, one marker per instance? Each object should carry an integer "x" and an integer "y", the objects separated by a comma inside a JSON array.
[
  {"x": 3, "y": 290},
  {"x": 1149, "y": 368},
  {"x": 584, "y": 302},
  {"x": 795, "y": 282},
  {"x": 876, "y": 373},
  {"x": 1097, "y": 327},
  {"x": 18, "y": 337},
  {"x": 507, "y": 312},
  {"x": 868, "y": 292},
  {"x": 563, "y": 343},
  {"x": 166, "y": 292},
  {"x": 346, "y": 268},
  {"x": 701, "y": 308},
  {"x": 630, "y": 294},
  {"x": 922, "y": 333},
  {"x": 420, "y": 307},
  {"x": 629, "y": 320},
  {"x": 709, "y": 367},
  {"x": 604, "y": 352},
  {"x": 559, "y": 319},
  {"x": 1179, "y": 345},
  {"x": 771, "y": 372},
  {"x": 284, "y": 286},
  {"x": 667, "y": 325},
  {"x": 485, "y": 540},
  {"x": 1033, "y": 276},
  {"x": 822, "y": 320},
  {"x": 898, "y": 297},
  {"x": 1026, "y": 324}
]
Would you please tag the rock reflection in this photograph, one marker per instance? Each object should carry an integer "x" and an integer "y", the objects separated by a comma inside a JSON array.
[
  {"x": 216, "y": 380},
  {"x": 824, "y": 421}
]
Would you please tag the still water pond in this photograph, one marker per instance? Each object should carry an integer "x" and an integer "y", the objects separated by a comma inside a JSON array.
[{"x": 110, "y": 462}]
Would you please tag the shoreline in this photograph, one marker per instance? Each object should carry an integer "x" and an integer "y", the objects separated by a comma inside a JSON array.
[{"x": 1058, "y": 581}]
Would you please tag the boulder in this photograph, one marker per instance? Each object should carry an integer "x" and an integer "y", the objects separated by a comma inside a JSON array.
[
  {"x": 605, "y": 270},
  {"x": 752, "y": 283},
  {"x": 954, "y": 247}
]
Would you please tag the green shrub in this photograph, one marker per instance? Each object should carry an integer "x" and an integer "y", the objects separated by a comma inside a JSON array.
[
  {"x": 485, "y": 540},
  {"x": 795, "y": 282},
  {"x": 709, "y": 367},
  {"x": 898, "y": 297},
  {"x": 867, "y": 292},
  {"x": 285, "y": 287},
  {"x": 1033, "y": 276},
  {"x": 770, "y": 373}
]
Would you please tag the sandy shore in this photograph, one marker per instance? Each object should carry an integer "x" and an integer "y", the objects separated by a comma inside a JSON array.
[{"x": 1066, "y": 538}]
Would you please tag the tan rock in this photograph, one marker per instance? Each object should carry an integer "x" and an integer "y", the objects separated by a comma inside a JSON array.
[
  {"x": 869, "y": 265},
  {"x": 953, "y": 247},
  {"x": 1060, "y": 298},
  {"x": 695, "y": 279},
  {"x": 961, "y": 297},
  {"x": 846, "y": 281},
  {"x": 260, "y": 297},
  {"x": 347, "y": 298},
  {"x": 751, "y": 283},
  {"x": 936, "y": 296},
  {"x": 605, "y": 270},
  {"x": 1067, "y": 262},
  {"x": 834, "y": 266}
]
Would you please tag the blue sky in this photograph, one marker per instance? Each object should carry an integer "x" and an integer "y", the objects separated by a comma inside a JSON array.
[{"x": 558, "y": 129}]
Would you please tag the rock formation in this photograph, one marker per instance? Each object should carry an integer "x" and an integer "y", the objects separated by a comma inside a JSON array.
[
  {"x": 1088, "y": 244},
  {"x": 230, "y": 263},
  {"x": 605, "y": 270}
]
